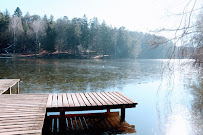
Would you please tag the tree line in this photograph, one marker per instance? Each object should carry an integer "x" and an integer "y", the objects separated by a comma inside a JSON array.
[{"x": 33, "y": 34}]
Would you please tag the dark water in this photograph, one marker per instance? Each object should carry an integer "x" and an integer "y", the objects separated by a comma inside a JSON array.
[{"x": 170, "y": 97}]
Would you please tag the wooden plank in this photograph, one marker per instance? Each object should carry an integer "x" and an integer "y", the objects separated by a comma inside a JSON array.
[
  {"x": 22, "y": 120},
  {"x": 90, "y": 99},
  {"x": 126, "y": 97},
  {"x": 112, "y": 98},
  {"x": 79, "y": 124},
  {"x": 108, "y": 125},
  {"x": 87, "y": 122},
  {"x": 109, "y": 98},
  {"x": 83, "y": 123},
  {"x": 74, "y": 125},
  {"x": 28, "y": 122},
  {"x": 7, "y": 84},
  {"x": 20, "y": 105},
  {"x": 88, "y": 115},
  {"x": 10, "y": 127},
  {"x": 104, "y": 98},
  {"x": 49, "y": 101},
  {"x": 75, "y": 100},
  {"x": 80, "y": 100},
  {"x": 54, "y": 102},
  {"x": 25, "y": 128},
  {"x": 117, "y": 98},
  {"x": 122, "y": 98},
  {"x": 22, "y": 132},
  {"x": 60, "y": 100},
  {"x": 87, "y": 103},
  {"x": 69, "y": 124},
  {"x": 14, "y": 112},
  {"x": 70, "y": 100},
  {"x": 99, "y": 98},
  {"x": 95, "y": 99},
  {"x": 22, "y": 114},
  {"x": 65, "y": 101}
]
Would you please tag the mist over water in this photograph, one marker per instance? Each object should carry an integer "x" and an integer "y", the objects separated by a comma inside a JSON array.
[{"x": 169, "y": 96}]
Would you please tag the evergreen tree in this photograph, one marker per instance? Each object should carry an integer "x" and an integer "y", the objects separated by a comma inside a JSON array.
[
  {"x": 95, "y": 40},
  {"x": 72, "y": 36},
  {"x": 84, "y": 33},
  {"x": 50, "y": 40},
  {"x": 4, "y": 35},
  {"x": 18, "y": 12},
  {"x": 121, "y": 42},
  {"x": 61, "y": 28}
]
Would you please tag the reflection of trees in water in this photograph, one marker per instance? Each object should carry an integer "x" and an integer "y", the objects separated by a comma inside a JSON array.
[
  {"x": 197, "y": 91},
  {"x": 197, "y": 104},
  {"x": 173, "y": 99},
  {"x": 54, "y": 75}
]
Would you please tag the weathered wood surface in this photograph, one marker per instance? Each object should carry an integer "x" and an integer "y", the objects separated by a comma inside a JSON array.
[
  {"x": 25, "y": 113},
  {"x": 6, "y": 84},
  {"x": 88, "y": 101},
  {"x": 94, "y": 123},
  {"x": 22, "y": 113}
]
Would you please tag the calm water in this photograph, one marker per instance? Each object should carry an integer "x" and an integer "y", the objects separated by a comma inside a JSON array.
[{"x": 170, "y": 97}]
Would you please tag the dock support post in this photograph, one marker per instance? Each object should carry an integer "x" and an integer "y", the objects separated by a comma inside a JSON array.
[
  {"x": 108, "y": 112},
  {"x": 62, "y": 126},
  {"x": 18, "y": 88},
  {"x": 10, "y": 90},
  {"x": 122, "y": 114}
]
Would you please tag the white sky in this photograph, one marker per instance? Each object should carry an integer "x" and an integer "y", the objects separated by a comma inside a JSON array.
[{"x": 138, "y": 15}]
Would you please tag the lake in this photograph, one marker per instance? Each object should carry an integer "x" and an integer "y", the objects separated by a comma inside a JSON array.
[{"x": 169, "y": 92}]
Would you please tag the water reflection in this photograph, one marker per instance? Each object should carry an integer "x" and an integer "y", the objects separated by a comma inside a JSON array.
[
  {"x": 68, "y": 75},
  {"x": 175, "y": 101},
  {"x": 197, "y": 104},
  {"x": 169, "y": 96}
]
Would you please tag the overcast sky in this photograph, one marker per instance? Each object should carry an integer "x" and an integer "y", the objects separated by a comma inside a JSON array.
[{"x": 138, "y": 15}]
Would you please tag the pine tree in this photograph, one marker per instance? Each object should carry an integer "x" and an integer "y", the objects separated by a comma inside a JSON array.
[
  {"x": 84, "y": 33},
  {"x": 18, "y": 12},
  {"x": 49, "y": 44}
]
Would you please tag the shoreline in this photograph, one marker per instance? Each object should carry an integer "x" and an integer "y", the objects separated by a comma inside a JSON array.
[{"x": 56, "y": 56}]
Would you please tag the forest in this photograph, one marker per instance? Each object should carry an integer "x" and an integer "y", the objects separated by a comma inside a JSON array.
[{"x": 75, "y": 38}]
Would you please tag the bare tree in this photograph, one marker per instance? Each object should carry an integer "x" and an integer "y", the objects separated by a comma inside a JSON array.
[
  {"x": 38, "y": 29},
  {"x": 61, "y": 28},
  {"x": 187, "y": 34},
  {"x": 15, "y": 26}
]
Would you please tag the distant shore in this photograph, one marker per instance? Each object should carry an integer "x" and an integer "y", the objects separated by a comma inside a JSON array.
[{"x": 55, "y": 56}]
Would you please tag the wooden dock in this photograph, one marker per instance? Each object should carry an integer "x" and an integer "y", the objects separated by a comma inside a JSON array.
[
  {"x": 89, "y": 101},
  {"x": 7, "y": 84},
  {"x": 25, "y": 113},
  {"x": 63, "y": 102},
  {"x": 92, "y": 123},
  {"x": 22, "y": 113}
]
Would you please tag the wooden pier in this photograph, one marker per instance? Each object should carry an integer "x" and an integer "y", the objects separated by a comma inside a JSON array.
[
  {"x": 92, "y": 123},
  {"x": 26, "y": 113},
  {"x": 22, "y": 113},
  {"x": 7, "y": 84},
  {"x": 62, "y": 102}
]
